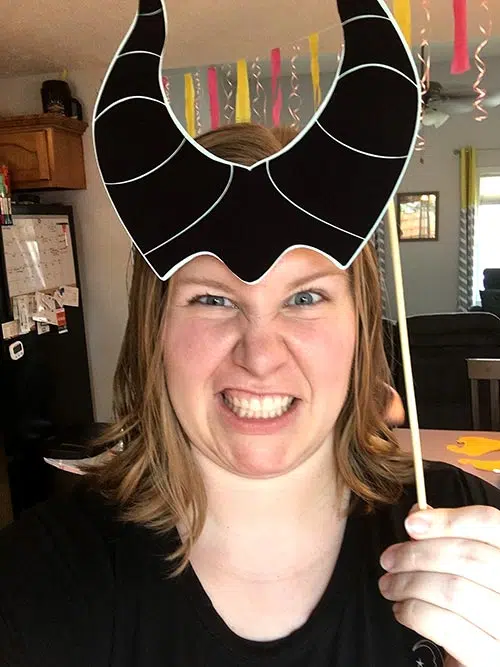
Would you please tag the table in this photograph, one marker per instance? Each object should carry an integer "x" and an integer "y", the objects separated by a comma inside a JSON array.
[{"x": 434, "y": 448}]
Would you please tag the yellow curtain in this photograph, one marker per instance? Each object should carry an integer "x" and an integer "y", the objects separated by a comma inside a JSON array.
[{"x": 468, "y": 177}]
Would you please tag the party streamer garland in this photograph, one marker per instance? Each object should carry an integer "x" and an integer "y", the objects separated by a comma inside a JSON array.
[
  {"x": 249, "y": 100},
  {"x": 424, "y": 57},
  {"x": 277, "y": 94},
  {"x": 314, "y": 49},
  {"x": 243, "y": 110},
  {"x": 189, "y": 100},
  {"x": 260, "y": 94},
  {"x": 294, "y": 99},
  {"x": 228, "y": 88},
  {"x": 486, "y": 32},
  {"x": 402, "y": 14},
  {"x": 213, "y": 94},
  {"x": 197, "y": 99},
  {"x": 166, "y": 87},
  {"x": 461, "y": 60}
]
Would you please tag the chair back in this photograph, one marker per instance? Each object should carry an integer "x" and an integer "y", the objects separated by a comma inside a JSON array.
[
  {"x": 489, "y": 370},
  {"x": 440, "y": 345}
]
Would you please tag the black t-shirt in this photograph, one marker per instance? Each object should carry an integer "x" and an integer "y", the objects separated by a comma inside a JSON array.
[{"x": 80, "y": 589}]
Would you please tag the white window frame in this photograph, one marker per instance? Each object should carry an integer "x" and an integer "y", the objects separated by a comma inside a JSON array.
[{"x": 481, "y": 173}]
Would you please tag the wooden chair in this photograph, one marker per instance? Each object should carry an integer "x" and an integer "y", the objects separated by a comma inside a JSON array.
[{"x": 485, "y": 369}]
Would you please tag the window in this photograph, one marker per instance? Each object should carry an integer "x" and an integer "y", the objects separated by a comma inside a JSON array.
[{"x": 487, "y": 229}]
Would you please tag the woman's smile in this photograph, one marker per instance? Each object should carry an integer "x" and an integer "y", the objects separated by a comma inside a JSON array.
[{"x": 257, "y": 415}]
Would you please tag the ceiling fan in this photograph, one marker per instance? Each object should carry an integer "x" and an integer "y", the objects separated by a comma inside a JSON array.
[{"x": 440, "y": 103}]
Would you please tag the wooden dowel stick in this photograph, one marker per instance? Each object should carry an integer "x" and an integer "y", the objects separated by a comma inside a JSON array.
[{"x": 406, "y": 357}]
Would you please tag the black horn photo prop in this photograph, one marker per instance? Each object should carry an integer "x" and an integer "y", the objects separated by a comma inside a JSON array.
[{"x": 305, "y": 196}]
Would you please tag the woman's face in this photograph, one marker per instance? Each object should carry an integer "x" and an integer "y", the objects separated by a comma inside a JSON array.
[{"x": 257, "y": 374}]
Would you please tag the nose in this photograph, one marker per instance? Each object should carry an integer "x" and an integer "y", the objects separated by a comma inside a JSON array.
[{"x": 260, "y": 350}]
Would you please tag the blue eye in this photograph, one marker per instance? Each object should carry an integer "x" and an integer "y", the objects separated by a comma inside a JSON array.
[
  {"x": 212, "y": 300},
  {"x": 306, "y": 298}
]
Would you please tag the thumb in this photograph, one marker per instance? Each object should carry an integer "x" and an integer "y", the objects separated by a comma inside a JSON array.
[{"x": 415, "y": 508}]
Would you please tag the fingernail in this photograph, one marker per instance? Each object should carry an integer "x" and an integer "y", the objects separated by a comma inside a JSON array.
[
  {"x": 384, "y": 583},
  {"x": 388, "y": 559},
  {"x": 417, "y": 525}
]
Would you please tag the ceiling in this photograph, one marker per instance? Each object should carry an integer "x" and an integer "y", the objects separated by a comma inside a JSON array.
[{"x": 41, "y": 36}]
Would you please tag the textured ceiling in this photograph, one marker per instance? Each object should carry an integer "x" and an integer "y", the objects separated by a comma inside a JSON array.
[{"x": 40, "y": 36}]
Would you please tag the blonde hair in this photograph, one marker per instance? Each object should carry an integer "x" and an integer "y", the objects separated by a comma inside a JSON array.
[{"x": 155, "y": 480}]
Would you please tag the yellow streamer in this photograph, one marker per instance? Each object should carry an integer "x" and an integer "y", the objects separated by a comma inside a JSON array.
[
  {"x": 189, "y": 104},
  {"x": 314, "y": 49},
  {"x": 402, "y": 14},
  {"x": 243, "y": 109}
]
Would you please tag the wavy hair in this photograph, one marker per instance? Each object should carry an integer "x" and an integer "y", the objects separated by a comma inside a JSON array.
[{"x": 154, "y": 480}]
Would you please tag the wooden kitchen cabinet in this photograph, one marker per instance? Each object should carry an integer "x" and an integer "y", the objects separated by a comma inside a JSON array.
[{"x": 43, "y": 152}]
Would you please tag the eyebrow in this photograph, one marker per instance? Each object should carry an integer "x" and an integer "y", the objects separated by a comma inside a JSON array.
[{"x": 294, "y": 284}]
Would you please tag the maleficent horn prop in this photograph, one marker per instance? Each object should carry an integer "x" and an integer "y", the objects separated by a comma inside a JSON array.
[{"x": 327, "y": 190}]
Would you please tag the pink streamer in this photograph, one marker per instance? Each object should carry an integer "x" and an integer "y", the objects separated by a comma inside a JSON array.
[
  {"x": 461, "y": 60},
  {"x": 275, "y": 86},
  {"x": 213, "y": 93}
]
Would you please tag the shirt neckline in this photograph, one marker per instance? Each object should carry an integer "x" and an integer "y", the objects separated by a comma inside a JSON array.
[{"x": 324, "y": 617}]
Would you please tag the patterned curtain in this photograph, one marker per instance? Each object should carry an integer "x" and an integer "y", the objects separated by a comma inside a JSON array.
[
  {"x": 379, "y": 242},
  {"x": 468, "y": 212}
]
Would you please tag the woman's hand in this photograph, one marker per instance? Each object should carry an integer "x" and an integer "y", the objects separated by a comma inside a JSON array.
[{"x": 446, "y": 582}]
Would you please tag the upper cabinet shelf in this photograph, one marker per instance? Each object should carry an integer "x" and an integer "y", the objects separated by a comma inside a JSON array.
[{"x": 43, "y": 152}]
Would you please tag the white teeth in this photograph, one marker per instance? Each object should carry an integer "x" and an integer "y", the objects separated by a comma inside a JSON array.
[{"x": 268, "y": 407}]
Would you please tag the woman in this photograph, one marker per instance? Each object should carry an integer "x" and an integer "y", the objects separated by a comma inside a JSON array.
[{"x": 260, "y": 495}]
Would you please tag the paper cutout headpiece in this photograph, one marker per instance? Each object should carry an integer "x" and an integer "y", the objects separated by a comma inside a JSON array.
[{"x": 327, "y": 190}]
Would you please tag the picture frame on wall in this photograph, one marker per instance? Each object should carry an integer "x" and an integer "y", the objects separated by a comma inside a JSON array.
[{"x": 418, "y": 216}]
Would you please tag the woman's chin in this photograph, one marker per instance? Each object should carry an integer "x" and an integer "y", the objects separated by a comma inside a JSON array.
[{"x": 263, "y": 464}]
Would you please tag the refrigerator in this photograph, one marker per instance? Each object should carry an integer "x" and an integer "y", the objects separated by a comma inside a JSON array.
[{"x": 44, "y": 370}]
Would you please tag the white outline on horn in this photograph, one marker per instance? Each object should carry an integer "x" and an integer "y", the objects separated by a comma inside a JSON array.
[
  {"x": 314, "y": 119},
  {"x": 138, "y": 178},
  {"x": 358, "y": 150},
  {"x": 192, "y": 224}
]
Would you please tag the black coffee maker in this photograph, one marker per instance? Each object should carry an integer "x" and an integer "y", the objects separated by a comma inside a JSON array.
[{"x": 56, "y": 98}]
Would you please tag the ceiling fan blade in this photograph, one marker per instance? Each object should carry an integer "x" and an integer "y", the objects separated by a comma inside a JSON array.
[
  {"x": 491, "y": 101},
  {"x": 451, "y": 107}
]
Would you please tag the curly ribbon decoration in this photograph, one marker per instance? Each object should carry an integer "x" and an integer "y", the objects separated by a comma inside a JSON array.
[
  {"x": 314, "y": 49},
  {"x": 213, "y": 96},
  {"x": 480, "y": 64},
  {"x": 189, "y": 104},
  {"x": 402, "y": 14},
  {"x": 424, "y": 57},
  {"x": 294, "y": 94},
  {"x": 461, "y": 61},
  {"x": 166, "y": 87},
  {"x": 197, "y": 98},
  {"x": 228, "y": 93},
  {"x": 277, "y": 93},
  {"x": 260, "y": 93},
  {"x": 243, "y": 111}
]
